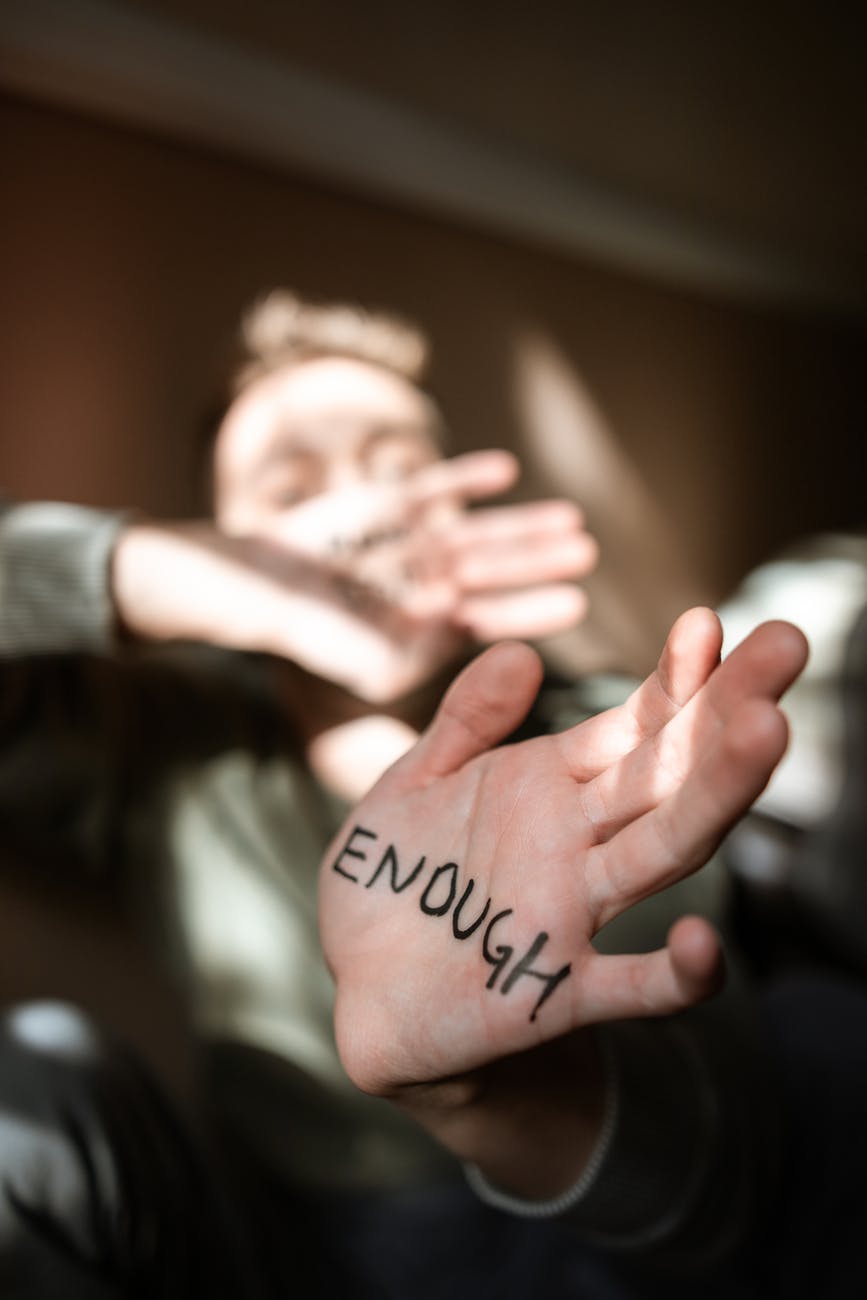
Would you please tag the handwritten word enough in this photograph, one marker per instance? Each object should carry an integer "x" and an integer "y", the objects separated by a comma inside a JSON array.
[{"x": 440, "y": 898}]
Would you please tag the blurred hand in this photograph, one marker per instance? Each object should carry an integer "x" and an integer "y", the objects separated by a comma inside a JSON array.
[
  {"x": 375, "y": 587},
  {"x": 428, "y": 575}
]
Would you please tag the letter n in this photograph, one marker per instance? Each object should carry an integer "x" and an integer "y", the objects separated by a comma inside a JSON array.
[{"x": 389, "y": 859}]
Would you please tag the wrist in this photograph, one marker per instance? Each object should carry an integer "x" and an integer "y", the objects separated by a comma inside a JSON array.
[
  {"x": 529, "y": 1125},
  {"x": 142, "y": 598}
]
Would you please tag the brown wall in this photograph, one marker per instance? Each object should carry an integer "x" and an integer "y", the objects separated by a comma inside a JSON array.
[{"x": 699, "y": 434}]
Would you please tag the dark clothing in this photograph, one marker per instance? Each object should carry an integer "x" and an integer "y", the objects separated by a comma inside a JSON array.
[{"x": 106, "y": 1195}]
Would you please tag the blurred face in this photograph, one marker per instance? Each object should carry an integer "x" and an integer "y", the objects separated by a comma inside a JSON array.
[{"x": 312, "y": 428}]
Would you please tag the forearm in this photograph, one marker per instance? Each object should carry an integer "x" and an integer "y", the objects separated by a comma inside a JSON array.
[
  {"x": 74, "y": 578},
  {"x": 186, "y": 582},
  {"x": 191, "y": 582}
]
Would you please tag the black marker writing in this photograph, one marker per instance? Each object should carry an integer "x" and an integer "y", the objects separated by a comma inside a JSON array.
[
  {"x": 389, "y": 859},
  {"x": 349, "y": 852},
  {"x": 523, "y": 967},
  {"x": 500, "y": 956},
  {"x": 440, "y": 909},
  {"x": 437, "y": 899},
  {"x": 470, "y": 929}
]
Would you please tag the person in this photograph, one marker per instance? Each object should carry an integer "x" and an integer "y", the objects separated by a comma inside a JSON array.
[{"x": 341, "y": 546}]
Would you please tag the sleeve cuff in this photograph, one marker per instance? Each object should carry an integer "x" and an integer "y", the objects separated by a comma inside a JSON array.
[
  {"x": 650, "y": 1160},
  {"x": 573, "y": 1195},
  {"x": 54, "y": 578}
]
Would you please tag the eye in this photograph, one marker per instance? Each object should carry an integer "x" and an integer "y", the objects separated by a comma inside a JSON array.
[
  {"x": 396, "y": 457},
  {"x": 289, "y": 496},
  {"x": 293, "y": 478}
]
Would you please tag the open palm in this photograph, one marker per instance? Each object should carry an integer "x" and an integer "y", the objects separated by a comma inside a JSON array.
[{"x": 459, "y": 902}]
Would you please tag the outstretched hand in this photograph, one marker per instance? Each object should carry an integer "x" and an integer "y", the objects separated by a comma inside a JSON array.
[{"x": 459, "y": 902}]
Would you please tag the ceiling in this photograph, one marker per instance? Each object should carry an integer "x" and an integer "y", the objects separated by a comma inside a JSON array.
[{"x": 742, "y": 125}]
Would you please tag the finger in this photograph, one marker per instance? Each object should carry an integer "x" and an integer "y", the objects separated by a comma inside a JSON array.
[
  {"x": 688, "y": 970},
  {"x": 540, "y": 611},
  {"x": 697, "y": 957},
  {"x": 507, "y": 522},
  {"x": 690, "y": 654},
  {"x": 469, "y": 477},
  {"x": 681, "y": 832},
  {"x": 483, "y": 705},
  {"x": 525, "y": 562},
  {"x": 340, "y": 521},
  {"x": 761, "y": 667}
]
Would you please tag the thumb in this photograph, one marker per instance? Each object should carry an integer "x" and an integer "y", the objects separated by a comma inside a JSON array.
[{"x": 482, "y": 706}]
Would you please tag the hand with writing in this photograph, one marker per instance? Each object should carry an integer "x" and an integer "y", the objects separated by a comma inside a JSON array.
[{"x": 459, "y": 902}]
